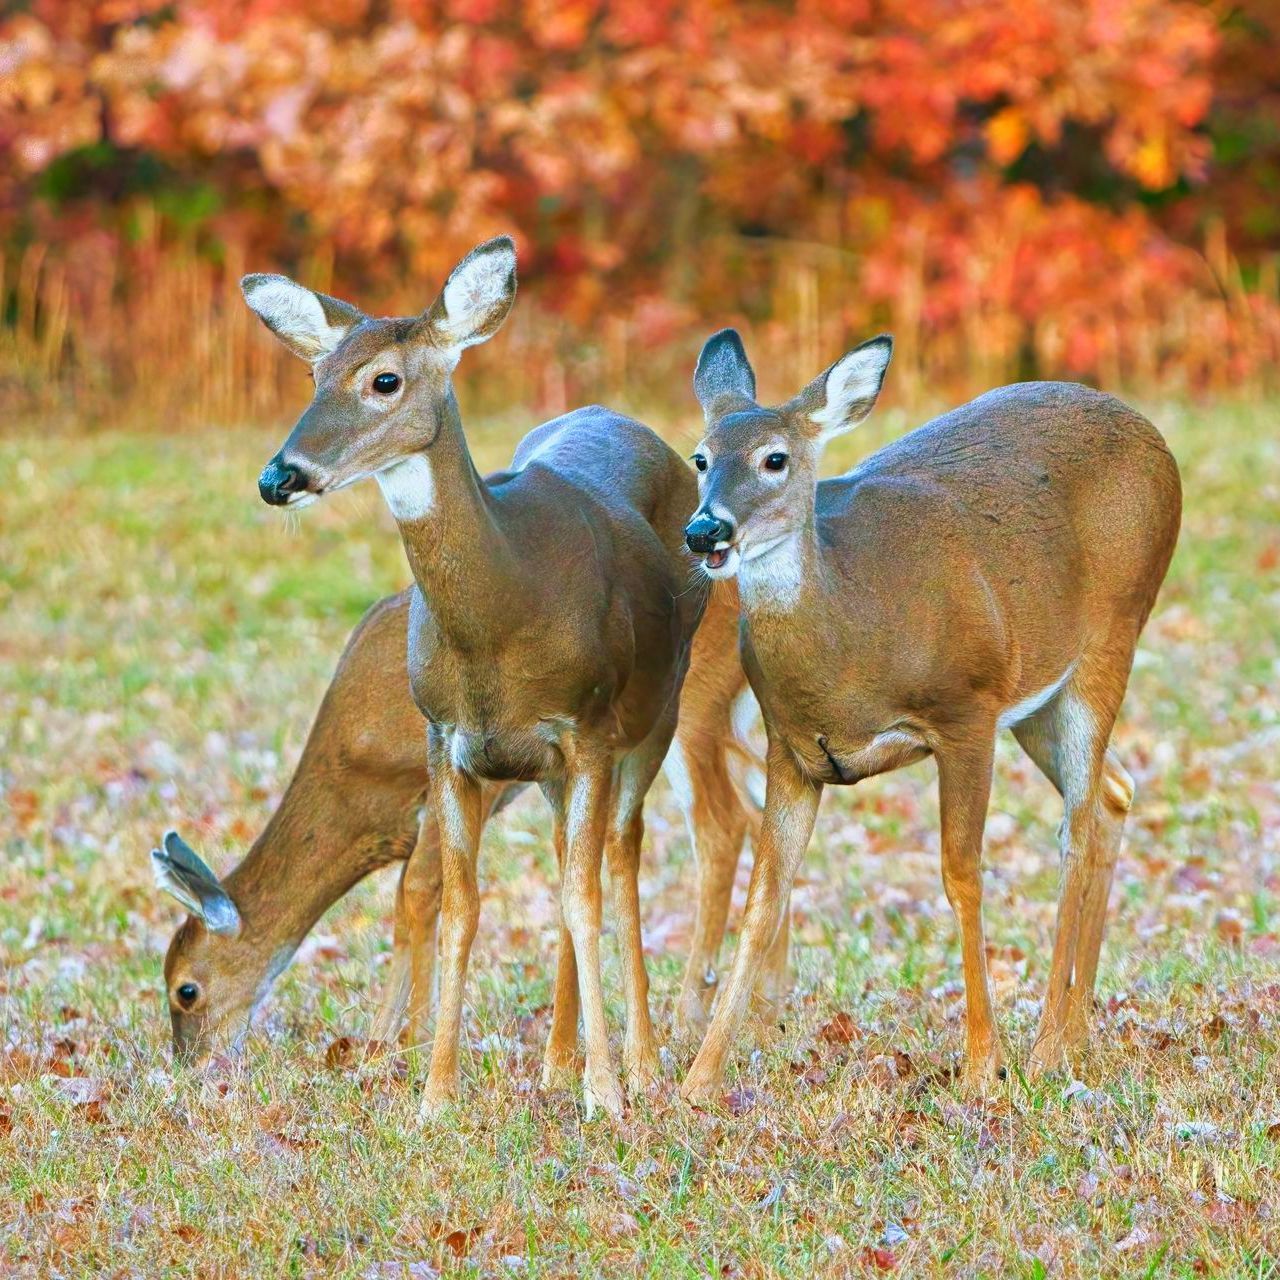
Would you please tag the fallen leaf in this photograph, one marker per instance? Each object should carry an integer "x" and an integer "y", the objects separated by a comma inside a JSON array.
[
  {"x": 879, "y": 1259},
  {"x": 741, "y": 1100},
  {"x": 840, "y": 1030}
]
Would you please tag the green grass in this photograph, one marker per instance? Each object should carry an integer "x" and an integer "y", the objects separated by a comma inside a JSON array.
[{"x": 165, "y": 640}]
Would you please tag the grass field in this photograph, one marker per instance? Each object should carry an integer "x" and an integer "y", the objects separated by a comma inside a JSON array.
[{"x": 164, "y": 640}]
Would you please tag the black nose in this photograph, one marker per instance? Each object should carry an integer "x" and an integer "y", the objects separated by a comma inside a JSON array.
[
  {"x": 278, "y": 481},
  {"x": 705, "y": 530}
]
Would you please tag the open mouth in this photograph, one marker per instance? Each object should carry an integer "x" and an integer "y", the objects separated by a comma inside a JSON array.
[{"x": 723, "y": 556}]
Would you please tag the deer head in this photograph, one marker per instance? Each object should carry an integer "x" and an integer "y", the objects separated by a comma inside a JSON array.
[
  {"x": 381, "y": 384},
  {"x": 211, "y": 971},
  {"x": 758, "y": 467}
]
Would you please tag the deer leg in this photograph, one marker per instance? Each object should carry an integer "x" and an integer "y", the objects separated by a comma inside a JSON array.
[
  {"x": 717, "y": 827},
  {"x": 622, "y": 850},
  {"x": 560, "y": 1059},
  {"x": 964, "y": 789},
  {"x": 414, "y": 941},
  {"x": 457, "y": 802},
  {"x": 395, "y": 991},
  {"x": 422, "y": 886},
  {"x": 790, "y": 811},
  {"x": 1068, "y": 740},
  {"x": 766, "y": 1002},
  {"x": 1116, "y": 801},
  {"x": 588, "y": 790}
]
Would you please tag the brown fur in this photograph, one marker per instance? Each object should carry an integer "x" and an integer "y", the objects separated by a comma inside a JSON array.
[
  {"x": 550, "y": 626},
  {"x": 354, "y": 803},
  {"x": 1012, "y": 544}
]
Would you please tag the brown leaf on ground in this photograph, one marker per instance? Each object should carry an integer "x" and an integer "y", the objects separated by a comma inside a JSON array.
[
  {"x": 741, "y": 1100},
  {"x": 346, "y": 1052},
  {"x": 458, "y": 1240},
  {"x": 879, "y": 1259},
  {"x": 840, "y": 1030}
]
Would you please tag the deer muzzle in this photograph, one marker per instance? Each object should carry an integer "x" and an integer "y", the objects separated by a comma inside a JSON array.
[
  {"x": 278, "y": 483},
  {"x": 705, "y": 531}
]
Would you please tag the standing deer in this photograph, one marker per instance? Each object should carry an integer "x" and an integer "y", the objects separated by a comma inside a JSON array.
[
  {"x": 993, "y": 568},
  {"x": 549, "y": 629},
  {"x": 353, "y": 806}
]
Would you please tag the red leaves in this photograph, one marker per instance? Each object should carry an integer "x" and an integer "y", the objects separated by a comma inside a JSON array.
[{"x": 840, "y": 1030}]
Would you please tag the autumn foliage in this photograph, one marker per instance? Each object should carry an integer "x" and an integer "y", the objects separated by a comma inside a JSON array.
[{"x": 1015, "y": 187}]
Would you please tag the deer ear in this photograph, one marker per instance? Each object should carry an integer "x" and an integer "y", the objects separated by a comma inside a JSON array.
[
  {"x": 310, "y": 324},
  {"x": 181, "y": 872},
  {"x": 840, "y": 398},
  {"x": 476, "y": 298},
  {"x": 724, "y": 374}
]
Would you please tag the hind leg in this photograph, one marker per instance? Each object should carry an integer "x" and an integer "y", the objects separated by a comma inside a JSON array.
[
  {"x": 1067, "y": 738},
  {"x": 560, "y": 1058},
  {"x": 697, "y": 769},
  {"x": 623, "y": 839},
  {"x": 1116, "y": 801}
]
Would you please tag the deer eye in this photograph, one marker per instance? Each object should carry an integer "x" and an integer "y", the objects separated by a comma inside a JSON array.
[
  {"x": 386, "y": 383},
  {"x": 187, "y": 994},
  {"x": 700, "y": 461},
  {"x": 775, "y": 462}
]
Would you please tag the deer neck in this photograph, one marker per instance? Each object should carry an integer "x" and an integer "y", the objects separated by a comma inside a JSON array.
[
  {"x": 306, "y": 858},
  {"x": 461, "y": 560},
  {"x": 786, "y": 577}
]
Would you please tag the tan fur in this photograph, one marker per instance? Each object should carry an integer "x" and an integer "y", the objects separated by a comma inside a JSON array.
[
  {"x": 550, "y": 626},
  {"x": 996, "y": 564}
]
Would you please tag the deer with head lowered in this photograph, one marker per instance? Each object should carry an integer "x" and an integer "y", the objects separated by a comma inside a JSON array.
[
  {"x": 357, "y": 802},
  {"x": 550, "y": 624},
  {"x": 993, "y": 568}
]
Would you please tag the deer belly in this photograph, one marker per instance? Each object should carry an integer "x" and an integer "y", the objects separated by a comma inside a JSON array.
[
  {"x": 829, "y": 758},
  {"x": 505, "y": 755}
]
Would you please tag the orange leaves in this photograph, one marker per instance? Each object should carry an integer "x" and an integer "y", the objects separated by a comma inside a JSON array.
[{"x": 624, "y": 139}]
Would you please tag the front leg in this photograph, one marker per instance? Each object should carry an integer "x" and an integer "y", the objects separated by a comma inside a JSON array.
[
  {"x": 588, "y": 783},
  {"x": 456, "y": 799},
  {"x": 559, "y": 1060},
  {"x": 964, "y": 788},
  {"x": 413, "y": 951},
  {"x": 791, "y": 806}
]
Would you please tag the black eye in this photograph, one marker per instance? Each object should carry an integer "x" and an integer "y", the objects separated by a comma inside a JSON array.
[
  {"x": 700, "y": 461},
  {"x": 775, "y": 462},
  {"x": 386, "y": 383},
  {"x": 187, "y": 994}
]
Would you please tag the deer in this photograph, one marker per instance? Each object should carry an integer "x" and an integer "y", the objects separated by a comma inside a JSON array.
[
  {"x": 550, "y": 623},
  {"x": 990, "y": 569},
  {"x": 357, "y": 802}
]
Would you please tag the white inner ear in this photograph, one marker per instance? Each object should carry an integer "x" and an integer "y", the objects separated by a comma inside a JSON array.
[
  {"x": 171, "y": 884},
  {"x": 852, "y": 387},
  {"x": 294, "y": 312},
  {"x": 471, "y": 293}
]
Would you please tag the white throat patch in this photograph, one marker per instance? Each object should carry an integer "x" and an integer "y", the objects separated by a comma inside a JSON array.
[
  {"x": 771, "y": 578},
  {"x": 408, "y": 487}
]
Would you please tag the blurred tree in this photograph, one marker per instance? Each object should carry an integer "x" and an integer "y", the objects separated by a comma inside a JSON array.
[{"x": 1015, "y": 184}]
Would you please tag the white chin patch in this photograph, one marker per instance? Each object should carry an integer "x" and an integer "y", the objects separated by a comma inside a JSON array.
[
  {"x": 408, "y": 487},
  {"x": 299, "y": 500}
]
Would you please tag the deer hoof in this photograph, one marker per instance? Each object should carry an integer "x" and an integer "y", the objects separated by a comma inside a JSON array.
[{"x": 602, "y": 1093}]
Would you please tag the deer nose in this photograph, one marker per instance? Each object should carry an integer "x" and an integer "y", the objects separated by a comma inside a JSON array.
[
  {"x": 704, "y": 531},
  {"x": 278, "y": 481}
]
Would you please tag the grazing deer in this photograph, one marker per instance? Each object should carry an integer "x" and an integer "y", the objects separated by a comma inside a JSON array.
[
  {"x": 991, "y": 569},
  {"x": 353, "y": 805},
  {"x": 549, "y": 631}
]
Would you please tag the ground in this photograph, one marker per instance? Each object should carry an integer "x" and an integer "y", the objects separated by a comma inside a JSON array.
[{"x": 165, "y": 640}]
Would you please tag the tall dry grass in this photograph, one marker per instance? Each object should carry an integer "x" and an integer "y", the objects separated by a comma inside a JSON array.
[{"x": 159, "y": 337}]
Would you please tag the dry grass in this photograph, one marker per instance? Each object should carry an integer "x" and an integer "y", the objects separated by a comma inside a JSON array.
[{"x": 164, "y": 642}]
